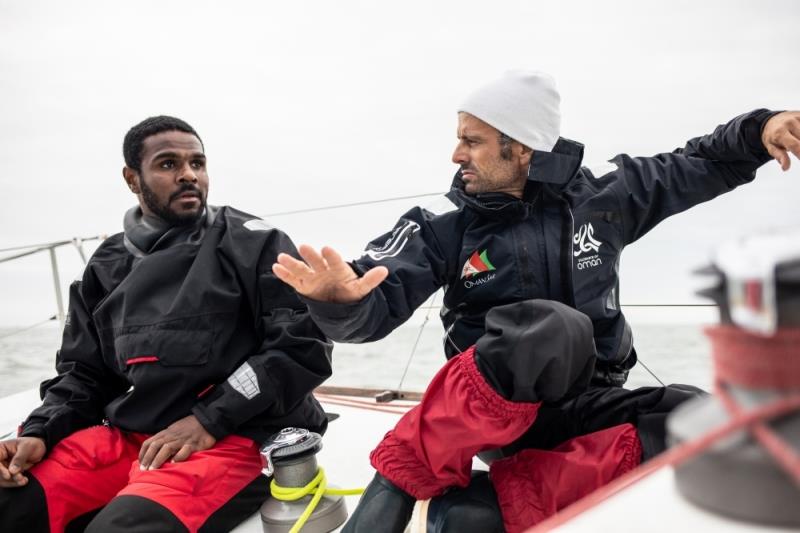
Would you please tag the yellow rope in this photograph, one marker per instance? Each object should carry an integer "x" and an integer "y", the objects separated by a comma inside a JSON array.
[{"x": 318, "y": 486}]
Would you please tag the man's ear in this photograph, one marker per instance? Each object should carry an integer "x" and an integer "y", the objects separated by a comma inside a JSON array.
[
  {"x": 525, "y": 155},
  {"x": 132, "y": 179}
]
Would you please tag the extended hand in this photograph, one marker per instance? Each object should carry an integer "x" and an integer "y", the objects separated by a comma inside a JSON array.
[
  {"x": 17, "y": 456},
  {"x": 781, "y": 135},
  {"x": 326, "y": 277},
  {"x": 180, "y": 440}
]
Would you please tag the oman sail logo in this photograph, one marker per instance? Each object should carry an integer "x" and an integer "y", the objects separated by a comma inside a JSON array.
[
  {"x": 585, "y": 242},
  {"x": 476, "y": 264}
]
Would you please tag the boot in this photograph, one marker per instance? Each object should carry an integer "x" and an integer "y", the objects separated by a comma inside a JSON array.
[
  {"x": 382, "y": 508},
  {"x": 474, "y": 508}
]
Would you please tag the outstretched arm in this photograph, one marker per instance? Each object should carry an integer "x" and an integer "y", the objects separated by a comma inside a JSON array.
[
  {"x": 326, "y": 277},
  {"x": 650, "y": 189},
  {"x": 396, "y": 274}
]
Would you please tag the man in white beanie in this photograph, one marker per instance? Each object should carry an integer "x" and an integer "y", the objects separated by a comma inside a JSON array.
[{"x": 526, "y": 246}]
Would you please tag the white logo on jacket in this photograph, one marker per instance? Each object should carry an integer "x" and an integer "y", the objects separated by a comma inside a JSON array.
[
  {"x": 585, "y": 242},
  {"x": 395, "y": 243},
  {"x": 257, "y": 224},
  {"x": 244, "y": 381}
]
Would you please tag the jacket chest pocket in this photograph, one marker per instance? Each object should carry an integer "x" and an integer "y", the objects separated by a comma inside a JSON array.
[{"x": 167, "y": 347}]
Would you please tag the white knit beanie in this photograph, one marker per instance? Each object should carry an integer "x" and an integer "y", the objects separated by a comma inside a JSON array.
[{"x": 521, "y": 104}]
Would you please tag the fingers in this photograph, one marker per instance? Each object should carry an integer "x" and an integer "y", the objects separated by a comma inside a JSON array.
[
  {"x": 793, "y": 146},
  {"x": 373, "y": 278},
  {"x": 29, "y": 452},
  {"x": 314, "y": 260},
  {"x": 780, "y": 156},
  {"x": 183, "y": 454},
  {"x": 148, "y": 451},
  {"x": 285, "y": 275},
  {"x": 331, "y": 257},
  {"x": 153, "y": 454},
  {"x": 18, "y": 480},
  {"x": 7, "y": 450},
  {"x": 293, "y": 272},
  {"x": 164, "y": 454}
]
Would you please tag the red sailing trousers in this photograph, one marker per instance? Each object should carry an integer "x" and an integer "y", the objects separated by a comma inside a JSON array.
[
  {"x": 90, "y": 467},
  {"x": 432, "y": 446}
]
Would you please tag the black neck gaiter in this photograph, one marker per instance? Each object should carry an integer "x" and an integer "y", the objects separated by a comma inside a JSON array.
[{"x": 145, "y": 234}]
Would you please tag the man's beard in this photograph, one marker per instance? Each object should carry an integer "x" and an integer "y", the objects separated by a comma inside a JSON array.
[{"x": 168, "y": 215}]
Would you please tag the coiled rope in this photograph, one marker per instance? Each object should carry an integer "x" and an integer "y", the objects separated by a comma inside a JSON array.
[{"x": 317, "y": 486}]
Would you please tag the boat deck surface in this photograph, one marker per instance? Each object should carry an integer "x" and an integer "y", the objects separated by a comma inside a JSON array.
[{"x": 652, "y": 504}]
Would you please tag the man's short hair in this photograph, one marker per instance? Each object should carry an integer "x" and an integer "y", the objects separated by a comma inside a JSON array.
[{"x": 133, "y": 144}]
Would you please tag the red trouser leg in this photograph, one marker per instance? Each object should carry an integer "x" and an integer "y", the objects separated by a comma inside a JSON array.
[
  {"x": 194, "y": 489},
  {"x": 431, "y": 447},
  {"x": 90, "y": 468},
  {"x": 84, "y": 471},
  {"x": 534, "y": 484}
]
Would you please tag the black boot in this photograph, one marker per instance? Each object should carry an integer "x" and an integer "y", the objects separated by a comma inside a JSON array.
[
  {"x": 382, "y": 508},
  {"x": 472, "y": 509}
]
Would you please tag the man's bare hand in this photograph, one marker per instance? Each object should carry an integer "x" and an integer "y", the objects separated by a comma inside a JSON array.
[
  {"x": 326, "y": 277},
  {"x": 180, "y": 440},
  {"x": 781, "y": 135},
  {"x": 17, "y": 456}
]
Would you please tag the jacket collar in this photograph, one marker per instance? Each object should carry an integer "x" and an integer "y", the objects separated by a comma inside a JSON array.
[{"x": 145, "y": 234}]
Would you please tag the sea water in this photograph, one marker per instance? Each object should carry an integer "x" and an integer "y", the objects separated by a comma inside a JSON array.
[{"x": 674, "y": 353}]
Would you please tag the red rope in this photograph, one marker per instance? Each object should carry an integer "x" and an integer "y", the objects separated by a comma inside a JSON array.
[
  {"x": 755, "y": 362},
  {"x": 780, "y": 450}
]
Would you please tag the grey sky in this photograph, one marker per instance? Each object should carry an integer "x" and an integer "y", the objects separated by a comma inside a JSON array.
[{"x": 305, "y": 104}]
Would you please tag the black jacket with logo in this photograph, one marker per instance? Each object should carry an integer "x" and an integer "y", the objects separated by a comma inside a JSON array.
[
  {"x": 561, "y": 242},
  {"x": 199, "y": 328}
]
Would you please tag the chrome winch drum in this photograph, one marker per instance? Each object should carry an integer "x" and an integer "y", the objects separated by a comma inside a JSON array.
[{"x": 290, "y": 456}]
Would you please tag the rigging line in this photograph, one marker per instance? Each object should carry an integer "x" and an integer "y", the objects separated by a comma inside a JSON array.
[
  {"x": 650, "y": 371},
  {"x": 668, "y": 305},
  {"x": 24, "y": 254},
  {"x": 46, "y": 245},
  {"x": 353, "y": 204},
  {"x": 626, "y": 305},
  {"x": 28, "y": 327},
  {"x": 416, "y": 342}
]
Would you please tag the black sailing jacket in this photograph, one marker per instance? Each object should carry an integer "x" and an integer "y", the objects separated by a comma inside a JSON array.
[
  {"x": 202, "y": 328},
  {"x": 561, "y": 242}
]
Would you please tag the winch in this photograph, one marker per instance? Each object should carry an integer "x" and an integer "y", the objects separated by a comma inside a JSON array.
[
  {"x": 753, "y": 473},
  {"x": 289, "y": 457}
]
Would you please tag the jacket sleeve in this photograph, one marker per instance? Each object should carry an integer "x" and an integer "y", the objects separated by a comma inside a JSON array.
[
  {"x": 294, "y": 356},
  {"x": 418, "y": 266},
  {"x": 651, "y": 189},
  {"x": 76, "y": 397}
]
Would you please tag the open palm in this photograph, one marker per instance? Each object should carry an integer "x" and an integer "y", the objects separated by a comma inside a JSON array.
[{"x": 325, "y": 276}]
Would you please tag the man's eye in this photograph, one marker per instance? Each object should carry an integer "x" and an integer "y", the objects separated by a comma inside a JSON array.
[
  {"x": 198, "y": 164},
  {"x": 168, "y": 163}
]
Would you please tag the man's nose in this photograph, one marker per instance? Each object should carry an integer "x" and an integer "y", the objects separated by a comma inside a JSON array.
[
  {"x": 460, "y": 155},
  {"x": 187, "y": 173}
]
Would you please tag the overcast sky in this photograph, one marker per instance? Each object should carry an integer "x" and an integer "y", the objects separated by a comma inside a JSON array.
[{"x": 307, "y": 104}]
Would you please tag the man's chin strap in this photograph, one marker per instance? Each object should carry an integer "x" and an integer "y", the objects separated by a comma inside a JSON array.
[{"x": 145, "y": 234}]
